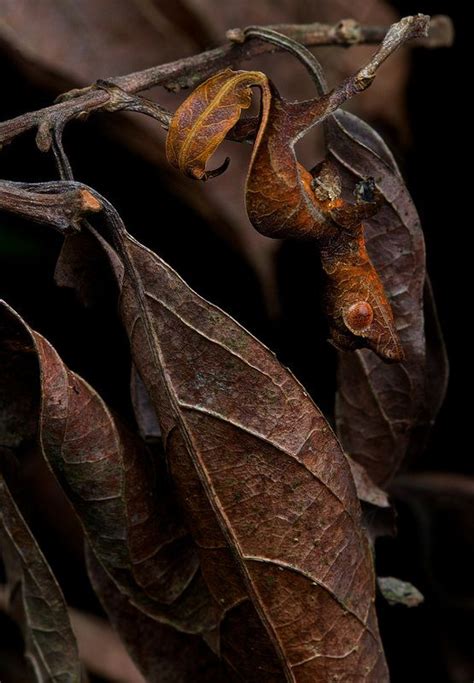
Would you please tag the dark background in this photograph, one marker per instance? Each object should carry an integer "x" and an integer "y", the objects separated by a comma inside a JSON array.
[{"x": 432, "y": 642}]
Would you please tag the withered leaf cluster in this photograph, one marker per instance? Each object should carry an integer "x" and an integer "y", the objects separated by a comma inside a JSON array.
[{"x": 225, "y": 536}]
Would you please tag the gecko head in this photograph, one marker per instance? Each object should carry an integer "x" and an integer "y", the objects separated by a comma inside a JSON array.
[
  {"x": 373, "y": 327},
  {"x": 362, "y": 324}
]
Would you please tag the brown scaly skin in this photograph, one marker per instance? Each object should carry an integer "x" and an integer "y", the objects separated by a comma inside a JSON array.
[
  {"x": 282, "y": 202},
  {"x": 356, "y": 303}
]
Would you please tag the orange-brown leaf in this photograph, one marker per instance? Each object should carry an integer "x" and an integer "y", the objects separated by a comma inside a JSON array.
[
  {"x": 203, "y": 120},
  {"x": 266, "y": 488}
]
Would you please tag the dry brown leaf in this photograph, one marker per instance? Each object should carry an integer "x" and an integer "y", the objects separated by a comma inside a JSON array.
[
  {"x": 35, "y": 599},
  {"x": 202, "y": 122},
  {"x": 268, "y": 493},
  {"x": 129, "y": 517},
  {"x": 384, "y": 412},
  {"x": 163, "y": 654}
]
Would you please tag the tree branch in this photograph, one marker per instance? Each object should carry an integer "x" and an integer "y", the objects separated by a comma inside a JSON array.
[
  {"x": 349, "y": 32},
  {"x": 49, "y": 203},
  {"x": 188, "y": 72}
]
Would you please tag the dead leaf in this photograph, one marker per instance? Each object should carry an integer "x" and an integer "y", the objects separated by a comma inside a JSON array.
[
  {"x": 268, "y": 492},
  {"x": 377, "y": 405},
  {"x": 35, "y": 599},
  {"x": 367, "y": 491},
  {"x": 378, "y": 515},
  {"x": 132, "y": 522},
  {"x": 202, "y": 122},
  {"x": 86, "y": 266},
  {"x": 379, "y": 521},
  {"x": 163, "y": 654}
]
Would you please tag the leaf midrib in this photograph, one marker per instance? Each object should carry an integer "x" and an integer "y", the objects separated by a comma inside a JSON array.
[{"x": 234, "y": 547}]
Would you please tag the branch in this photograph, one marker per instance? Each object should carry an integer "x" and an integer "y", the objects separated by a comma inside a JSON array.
[
  {"x": 188, "y": 72},
  {"x": 64, "y": 203},
  {"x": 49, "y": 203},
  {"x": 349, "y": 32}
]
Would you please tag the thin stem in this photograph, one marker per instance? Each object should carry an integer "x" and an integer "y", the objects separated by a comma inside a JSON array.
[
  {"x": 406, "y": 29},
  {"x": 289, "y": 44},
  {"x": 306, "y": 114}
]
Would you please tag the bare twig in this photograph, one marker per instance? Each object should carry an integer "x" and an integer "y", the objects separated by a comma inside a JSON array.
[
  {"x": 349, "y": 32},
  {"x": 185, "y": 73},
  {"x": 47, "y": 203},
  {"x": 64, "y": 203},
  {"x": 398, "y": 34},
  {"x": 406, "y": 29}
]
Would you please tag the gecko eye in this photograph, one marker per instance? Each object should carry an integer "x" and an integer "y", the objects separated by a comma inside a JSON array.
[
  {"x": 359, "y": 316},
  {"x": 364, "y": 191}
]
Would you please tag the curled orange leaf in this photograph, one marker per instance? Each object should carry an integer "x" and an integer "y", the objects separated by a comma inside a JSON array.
[{"x": 203, "y": 120}]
